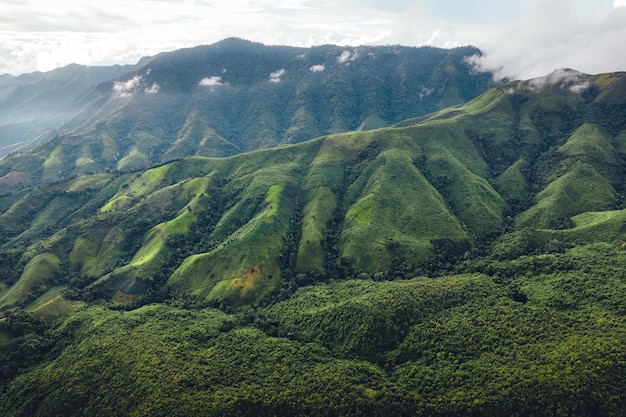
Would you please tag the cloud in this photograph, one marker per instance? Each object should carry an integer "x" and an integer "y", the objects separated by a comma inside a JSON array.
[
  {"x": 275, "y": 76},
  {"x": 579, "y": 88},
  {"x": 519, "y": 38},
  {"x": 564, "y": 77},
  {"x": 317, "y": 68},
  {"x": 554, "y": 34},
  {"x": 211, "y": 82},
  {"x": 126, "y": 88},
  {"x": 347, "y": 56},
  {"x": 425, "y": 92},
  {"x": 153, "y": 89},
  {"x": 42, "y": 35}
]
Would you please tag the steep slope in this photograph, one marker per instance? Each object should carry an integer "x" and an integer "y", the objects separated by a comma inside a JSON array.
[
  {"x": 236, "y": 96},
  {"x": 534, "y": 164}
]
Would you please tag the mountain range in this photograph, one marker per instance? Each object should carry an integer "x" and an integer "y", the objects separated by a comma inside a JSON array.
[
  {"x": 440, "y": 245},
  {"x": 236, "y": 96}
]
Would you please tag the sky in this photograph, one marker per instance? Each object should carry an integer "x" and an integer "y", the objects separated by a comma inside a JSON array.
[{"x": 520, "y": 39}]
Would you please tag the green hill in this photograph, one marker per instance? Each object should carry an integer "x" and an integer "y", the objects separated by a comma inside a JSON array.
[
  {"x": 468, "y": 262},
  {"x": 387, "y": 201}
]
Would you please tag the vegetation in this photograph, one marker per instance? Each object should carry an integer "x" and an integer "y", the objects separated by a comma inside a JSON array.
[
  {"x": 162, "y": 111},
  {"x": 539, "y": 334},
  {"x": 469, "y": 262}
]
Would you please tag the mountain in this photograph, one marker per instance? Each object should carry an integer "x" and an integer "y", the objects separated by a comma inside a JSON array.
[
  {"x": 236, "y": 96},
  {"x": 529, "y": 163},
  {"x": 465, "y": 262},
  {"x": 30, "y": 104}
]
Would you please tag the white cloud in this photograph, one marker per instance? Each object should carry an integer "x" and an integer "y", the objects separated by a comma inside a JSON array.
[
  {"x": 519, "y": 38},
  {"x": 579, "y": 88},
  {"x": 211, "y": 81},
  {"x": 345, "y": 57},
  {"x": 317, "y": 68},
  {"x": 555, "y": 35},
  {"x": 425, "y": 92},
  {"x": 126, "y": 88},
  {"x": 275, "y": 76},
  {"x": 153, "y": 89},
  {"x": 562, "y": 76}
]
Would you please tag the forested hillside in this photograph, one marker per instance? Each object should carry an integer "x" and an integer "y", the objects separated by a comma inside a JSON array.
[{"x": 466, "y": 262}]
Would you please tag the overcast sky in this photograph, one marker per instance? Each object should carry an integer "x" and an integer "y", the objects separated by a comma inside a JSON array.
[{"x": 520, "y": 38}]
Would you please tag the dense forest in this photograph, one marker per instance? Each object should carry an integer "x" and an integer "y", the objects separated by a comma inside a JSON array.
[{"x": 539, "y": 335}]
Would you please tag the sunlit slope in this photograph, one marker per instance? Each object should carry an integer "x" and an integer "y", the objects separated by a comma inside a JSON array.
[{"x": 529, "y": 164}]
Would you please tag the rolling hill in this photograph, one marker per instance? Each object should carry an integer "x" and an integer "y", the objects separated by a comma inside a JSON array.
[{"x": 540, "y": 159}]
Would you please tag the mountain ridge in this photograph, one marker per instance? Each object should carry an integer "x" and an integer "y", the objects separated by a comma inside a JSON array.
[
  {"x": 233, "y": 96},
  {"x": 32, "y": 103}
]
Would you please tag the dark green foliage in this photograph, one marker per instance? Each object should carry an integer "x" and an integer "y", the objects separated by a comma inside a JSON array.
[
  {"x": 542, "y": 334},
  {"x": 30, "y": 342}
]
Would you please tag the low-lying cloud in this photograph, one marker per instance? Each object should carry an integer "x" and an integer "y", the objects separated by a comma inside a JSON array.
[
  {"x": 137, "y": 83},
  {"x": 153, "y": 89},
  {"x": 317, "y": 68},
  {"x": 126, "y": 88},
  {"x": 563, "y": 77},
  {"x": 211, "y": 82},
  {"x": 347, "y": 56},
  {"x": 553, "y": 36},
  {"x": 275, "y": 76}
]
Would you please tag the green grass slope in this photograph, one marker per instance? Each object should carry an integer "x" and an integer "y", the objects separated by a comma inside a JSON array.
[
  {"x": 580, "y": 190},
  {"x": 39, "y": 268},
  {"x": 256, "y": 244},
  {"x": 397, "y": 214}
]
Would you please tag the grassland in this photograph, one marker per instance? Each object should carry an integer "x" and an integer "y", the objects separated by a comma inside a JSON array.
[{"x": 39, "y": 268}]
